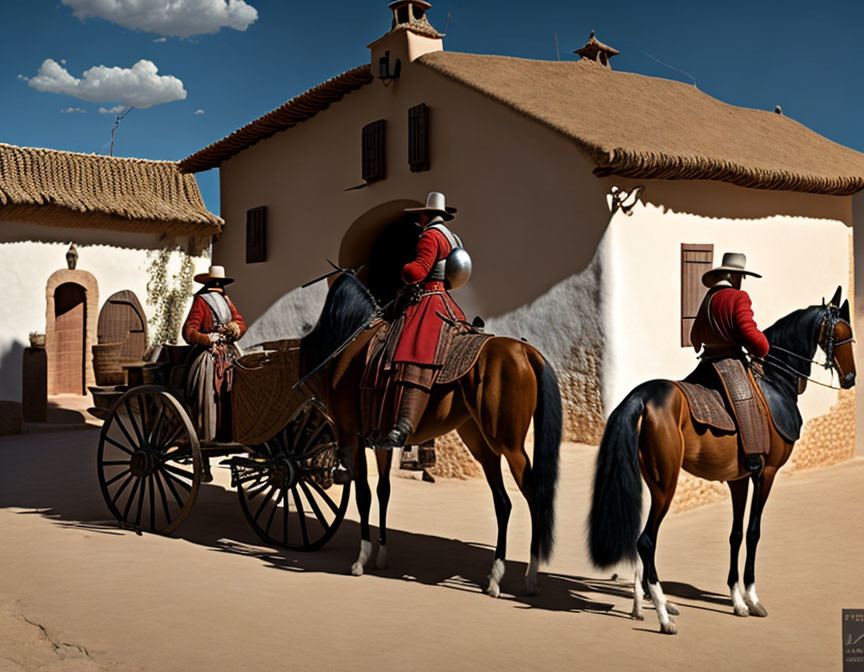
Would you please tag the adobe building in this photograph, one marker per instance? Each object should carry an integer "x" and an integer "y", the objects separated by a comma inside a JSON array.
[
  {"x": 115, "y": 211},
  {"x": 591, "y": 201}
]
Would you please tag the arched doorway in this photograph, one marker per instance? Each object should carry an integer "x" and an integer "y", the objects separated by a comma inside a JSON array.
[
  {"x": 72, "y": 302},
  {"x": 70, "y": 327},
  {"x": 382, "y": 240}
]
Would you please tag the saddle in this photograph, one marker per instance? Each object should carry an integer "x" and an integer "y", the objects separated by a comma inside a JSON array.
[
  {"x": 723, "y": 394},
  {"x": 459, "y": 347}
]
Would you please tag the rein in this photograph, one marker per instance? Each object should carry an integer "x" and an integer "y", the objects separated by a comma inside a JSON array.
[{"x": 828, "y": 345}]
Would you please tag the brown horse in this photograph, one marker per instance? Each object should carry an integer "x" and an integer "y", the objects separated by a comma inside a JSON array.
[
  {"x": 651, "y": 432},
  {"x": 491, "y": 407}
]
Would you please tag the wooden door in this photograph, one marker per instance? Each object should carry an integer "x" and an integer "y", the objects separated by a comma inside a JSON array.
[
  {"x": 70, "y": 324},
  {"x": 122, "y": 319}
]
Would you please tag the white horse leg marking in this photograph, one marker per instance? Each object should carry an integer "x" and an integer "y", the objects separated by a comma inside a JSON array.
[
  {"x": 738, "y": 604},
  {"x": 667, "y": 625},
  {"x": 381, "y": 560},
  {"x": 531, "y": 576},
  {"x": 637, "y": 592},
  {"x": 751, "y": 599},
  {"x": 495, "y": 576},
  {"x": 363, "y": 558}
]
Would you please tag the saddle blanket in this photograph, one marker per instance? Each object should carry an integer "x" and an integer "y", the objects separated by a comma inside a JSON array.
[
  {"x": 707, "y": 406},
  {"x": 462, "y": 354}
]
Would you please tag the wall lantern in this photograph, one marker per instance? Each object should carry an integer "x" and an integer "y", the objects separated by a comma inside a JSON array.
[{"x": 384, "y": 72}]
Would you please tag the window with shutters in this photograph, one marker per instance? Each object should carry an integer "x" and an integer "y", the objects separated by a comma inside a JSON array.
[
  {"x": 418, "y": 138},
  {"x": 695, "y": 260},
  {"x": 256, "y": 235},
  {"x": 374, "y": 166}
]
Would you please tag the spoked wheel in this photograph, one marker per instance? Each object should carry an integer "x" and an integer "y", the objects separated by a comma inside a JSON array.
[
  {"x": 149, "y": 460},
  {"x": 286, "y": 486}
]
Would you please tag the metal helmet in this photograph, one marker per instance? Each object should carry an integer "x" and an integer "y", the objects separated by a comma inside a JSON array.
[{"x": 457, "y": 269}]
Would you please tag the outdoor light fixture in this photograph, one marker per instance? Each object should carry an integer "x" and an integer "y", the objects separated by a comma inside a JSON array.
[
  {"x": 384, "y": 73},
  {"x": 625, "y": 201}
]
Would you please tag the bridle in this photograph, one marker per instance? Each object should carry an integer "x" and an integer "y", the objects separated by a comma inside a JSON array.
[{"x": 827, "y": 342}]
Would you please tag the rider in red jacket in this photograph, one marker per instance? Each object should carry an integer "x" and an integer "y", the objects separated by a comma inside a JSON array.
[
  {"x": 725, "y": 325},
  {"x": 418, "y": 357}
]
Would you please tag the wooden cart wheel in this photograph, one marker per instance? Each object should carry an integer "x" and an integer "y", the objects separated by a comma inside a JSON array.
[
  {"x": 149, "y": 460},
  {"x": 286, "y": 487}
]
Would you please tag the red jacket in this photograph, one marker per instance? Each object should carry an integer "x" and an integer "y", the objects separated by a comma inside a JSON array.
[
  {"x": 419, "y": 340},
  {"x": 199, "y": 322},
  {"x": 733, "y": 323}
]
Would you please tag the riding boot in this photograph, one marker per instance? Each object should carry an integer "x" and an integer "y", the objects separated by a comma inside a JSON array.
[
  {"x": 754, "y": 462},
  {"x": 411, "y": 407}
]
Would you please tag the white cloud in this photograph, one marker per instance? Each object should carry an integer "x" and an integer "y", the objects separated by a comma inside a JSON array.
[
  {"x": 70, "y": 110},
  {"x": 139, "y": 86},
  {"x": 176, "y": 18},
  {"x": 117, "y": 109},
  {"x": 199, "y": 111}
]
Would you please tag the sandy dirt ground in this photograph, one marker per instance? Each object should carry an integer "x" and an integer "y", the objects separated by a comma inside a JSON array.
[{"x": 76, "y": 593}]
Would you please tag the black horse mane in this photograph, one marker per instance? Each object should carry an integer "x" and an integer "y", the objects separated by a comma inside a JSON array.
[
  {"x": 348, "y": 307},
  {"x": 797, "y": 332}
]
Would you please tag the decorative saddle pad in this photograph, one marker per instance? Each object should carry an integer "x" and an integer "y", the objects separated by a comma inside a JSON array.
[
  {"x": 707, "y": 406},
  {"x": 463, "y": 352}
]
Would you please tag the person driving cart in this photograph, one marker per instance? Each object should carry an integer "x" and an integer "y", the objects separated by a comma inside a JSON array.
[{"x": 212, "y": 327}]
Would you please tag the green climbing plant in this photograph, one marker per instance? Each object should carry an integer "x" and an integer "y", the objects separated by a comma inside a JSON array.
[{"x": 168, "y": 293}]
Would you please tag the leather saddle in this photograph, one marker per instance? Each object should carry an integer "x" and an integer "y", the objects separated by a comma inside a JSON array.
[{"x": 723, "y": 394}]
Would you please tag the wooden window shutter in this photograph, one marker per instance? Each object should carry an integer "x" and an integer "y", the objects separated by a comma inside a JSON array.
[
  {"x": 418, "y": 138},
  {"x": 256, "y": 235},
  {"x": 695, "y": 260},
  {"x": 374, "y": 146}
]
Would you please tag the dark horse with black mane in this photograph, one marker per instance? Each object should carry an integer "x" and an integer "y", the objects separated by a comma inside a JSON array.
[
  {"x": 652, "y": 431},
  {"x": 491, "y": 407}
]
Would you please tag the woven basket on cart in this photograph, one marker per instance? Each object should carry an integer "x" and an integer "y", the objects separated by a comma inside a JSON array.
[
  {"x": 262, "y": 400},
  {"x": 106, "y": 363}
]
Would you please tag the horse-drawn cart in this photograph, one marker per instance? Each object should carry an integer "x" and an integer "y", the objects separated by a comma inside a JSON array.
[{"x": 284, "y": 459}]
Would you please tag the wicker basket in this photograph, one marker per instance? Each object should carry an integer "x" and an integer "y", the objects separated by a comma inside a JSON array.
[{"x": 106, "y": 363}]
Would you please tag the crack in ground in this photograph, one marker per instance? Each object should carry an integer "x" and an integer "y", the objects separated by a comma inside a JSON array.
[{"x": 62, "y": 649}]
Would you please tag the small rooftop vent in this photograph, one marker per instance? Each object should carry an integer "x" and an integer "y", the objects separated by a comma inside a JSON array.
[{"x": 595, "y": 50}]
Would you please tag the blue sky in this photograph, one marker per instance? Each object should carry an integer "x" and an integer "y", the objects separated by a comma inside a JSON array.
[{"x": 805, "y": 56}]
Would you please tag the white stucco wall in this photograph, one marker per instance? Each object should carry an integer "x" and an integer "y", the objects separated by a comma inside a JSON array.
[
  {"x": 29, "y": 254},
  {"x": 803, "y": 259}
]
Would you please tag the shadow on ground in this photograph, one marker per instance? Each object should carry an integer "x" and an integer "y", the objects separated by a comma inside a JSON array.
[{"x": 54, "y": 476}]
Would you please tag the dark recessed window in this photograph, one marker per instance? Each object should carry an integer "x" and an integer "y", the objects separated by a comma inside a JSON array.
[
  {"x": 256, "y": 235},
  {"x": 374, "y": 145},
  {"x": 695, "y": 260},
  {"x": 418, "y": 138}
]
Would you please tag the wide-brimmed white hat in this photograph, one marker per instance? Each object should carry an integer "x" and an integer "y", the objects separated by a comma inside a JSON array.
[
  {"x": 733, "y": 262},
  {"x": 215, "y": 274},
  {"x": 436, "y": 204}
]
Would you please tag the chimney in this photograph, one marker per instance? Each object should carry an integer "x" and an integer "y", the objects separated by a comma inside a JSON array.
[
  {"x": 411, "y": 35},
  {"x": 595, "y": 50}
]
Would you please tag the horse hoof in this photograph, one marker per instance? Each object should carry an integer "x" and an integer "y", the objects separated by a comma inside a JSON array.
[
  {"x": 637, "y": 616},
  {"x": 741, "y": 610},
  {"x": 493, "y": 590},
  {"x": 672, "y": 609},
  {"x": 381, "y": 560},
  {"x": 357, "y": 569},
  {"x": 669, "y": 629},
  {"x": 757, "y": 610}
]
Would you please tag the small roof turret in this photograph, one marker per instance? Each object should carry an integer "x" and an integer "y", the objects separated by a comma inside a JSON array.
[
  {"x": 595, "y": 50},
  {"x": 411, "y": 15}
]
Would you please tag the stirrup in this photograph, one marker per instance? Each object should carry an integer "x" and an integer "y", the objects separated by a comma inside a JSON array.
[
  {"x": 395, "y": 438},
  {"x": 754, "y": 463}
]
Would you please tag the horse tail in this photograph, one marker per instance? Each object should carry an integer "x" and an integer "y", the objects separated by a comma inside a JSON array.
[
  {"x": 547, "y": 444},
  {"x": 616, "y": 506}
]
